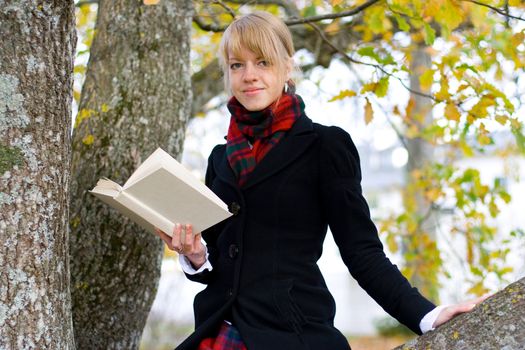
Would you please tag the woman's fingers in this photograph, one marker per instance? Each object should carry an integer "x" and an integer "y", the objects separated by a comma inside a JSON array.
[
  {"x": 176, "y": 241},
  {"x": 164, "y": 236},
  {"x": 452, "y": 311},
  {"x": 197, "y": 239},
  {"x": 188, "y": 238},
  {"x": 182, "y": 241}
]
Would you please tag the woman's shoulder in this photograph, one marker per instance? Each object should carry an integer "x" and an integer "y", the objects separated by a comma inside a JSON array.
[
  {"x": 333, "y": 136},
  {"x": 332, "y": 132}
]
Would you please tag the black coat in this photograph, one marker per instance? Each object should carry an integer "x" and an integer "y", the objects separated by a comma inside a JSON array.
[{"x": 265, "y": 277}]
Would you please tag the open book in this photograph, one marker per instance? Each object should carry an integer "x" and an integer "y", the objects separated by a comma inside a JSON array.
[{"x": 160, "y": 193}]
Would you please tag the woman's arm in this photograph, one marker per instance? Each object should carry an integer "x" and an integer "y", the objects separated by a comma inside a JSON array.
[{"x": 356, "y": 236}]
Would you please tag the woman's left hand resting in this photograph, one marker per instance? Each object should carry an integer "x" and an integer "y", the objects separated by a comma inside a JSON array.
[
  {"x": 185, "y": 243},
  {"x": 451, "y": 311}
]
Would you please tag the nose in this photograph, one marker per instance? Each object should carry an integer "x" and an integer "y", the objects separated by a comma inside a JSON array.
[{"x": 250, "y": 72}]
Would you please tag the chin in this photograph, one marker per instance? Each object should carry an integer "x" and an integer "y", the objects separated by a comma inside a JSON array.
[{"x": 254, "y": 106}]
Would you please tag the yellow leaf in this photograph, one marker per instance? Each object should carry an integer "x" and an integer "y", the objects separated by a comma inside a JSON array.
[
  {"x": 369, "y": 112},
  {"x": 332, "y": 27},
  {"x": 455, "y": 335},
  {"x": 368, "y": 87},
  {"x": 343, "y": 94},
  {"x": 426, "y": 79},
  {"x": 502, "y": 119},
  {"x": 452, "y": 112},
  {"x": 151, "y": 2},
  {"x": 433, "y": 194},
  {"x": 381, "y": 88},
  {"x": 336, "y": 2},
  {"x": 443, "y": 93},
  {"x": 88, "y": 140}
]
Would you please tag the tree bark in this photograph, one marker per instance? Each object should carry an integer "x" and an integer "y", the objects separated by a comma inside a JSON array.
[
  {"x": 37, "y": 48},
  {"x": 497, "y": 323},
  {"x": 136, "y": 97},
  {"x": 420, "y": 154}
]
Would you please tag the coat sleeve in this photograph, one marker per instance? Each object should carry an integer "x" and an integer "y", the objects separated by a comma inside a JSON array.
[
  {"x": 209, "y": 235},
  {"x": 356, "y": 236}
]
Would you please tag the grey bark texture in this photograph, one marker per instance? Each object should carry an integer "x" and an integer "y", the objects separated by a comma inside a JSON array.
[
  {"x": 136, "y": 97},
  {"x": 37, "y": 46},
  {"x": 420, "y": 154},
  {"x": 496, "y": 324}
]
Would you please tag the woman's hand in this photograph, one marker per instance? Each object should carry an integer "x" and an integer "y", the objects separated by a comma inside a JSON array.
[
  {"x": 183, "y": 242},
  {"x": 452, "y": 311}
]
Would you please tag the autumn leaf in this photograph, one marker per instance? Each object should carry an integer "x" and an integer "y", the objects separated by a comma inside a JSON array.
[
  {"x": 151, "y": 2},
  {"x": 369, "y": 112},
  {"x": 426, "y": 79},
  {"x": 429, "y": 34},
  {"x": 343, "y": 94},
  {"x": 452, "y": 112}
]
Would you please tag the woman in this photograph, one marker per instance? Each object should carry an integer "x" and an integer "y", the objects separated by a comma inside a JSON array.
[{"x": 285, "y": 180}]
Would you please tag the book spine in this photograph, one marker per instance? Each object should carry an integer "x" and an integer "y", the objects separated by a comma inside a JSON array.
[{"x": 145, "y": 212}]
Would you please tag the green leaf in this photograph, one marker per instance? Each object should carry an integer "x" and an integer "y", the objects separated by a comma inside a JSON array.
[
  {"x": 310, "y": 11},
  {"x": 382, "y": 87},
  {"x": 429, "y": 34},
  {"x": 402, "y": 23},
  {"x": 368, "y": 51}
]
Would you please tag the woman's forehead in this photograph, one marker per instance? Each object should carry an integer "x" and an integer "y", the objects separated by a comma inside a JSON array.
[{"x": 243, "y": 53}]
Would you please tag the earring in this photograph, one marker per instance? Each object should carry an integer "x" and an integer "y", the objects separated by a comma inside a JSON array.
[{"x": 286, "y": 87}]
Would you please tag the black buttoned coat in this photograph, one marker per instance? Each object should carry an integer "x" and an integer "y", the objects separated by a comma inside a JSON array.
[{"x": 265, "y": 277}]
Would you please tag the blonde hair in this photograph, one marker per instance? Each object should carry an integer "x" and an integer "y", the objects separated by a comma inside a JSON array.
[{"x": 265, "y": 35}]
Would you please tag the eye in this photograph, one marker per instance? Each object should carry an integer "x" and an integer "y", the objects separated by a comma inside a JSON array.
[
  {"x": 235, "y": 66},
  {"x": 263, "y": 63}
]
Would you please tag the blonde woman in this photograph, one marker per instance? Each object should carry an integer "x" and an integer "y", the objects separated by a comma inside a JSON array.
[{"x": 286, "y": 179}]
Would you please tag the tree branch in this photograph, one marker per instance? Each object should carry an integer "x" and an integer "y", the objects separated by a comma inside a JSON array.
[
  {"x": 348, "y": 13},
  {"x": 495, "y": 9},
  {"x": 86, "y": 2},
  {"x": 289, "y": 7},
  {"x": 290, "y": 22},
  {"x": 377, "y": 66},
  {"x": 210, "y": 27}
]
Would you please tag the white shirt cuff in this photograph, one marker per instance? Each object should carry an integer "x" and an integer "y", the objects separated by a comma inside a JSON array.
[
  {"x": 427, "y": 322},
  {"x": 188, "y": 268}
]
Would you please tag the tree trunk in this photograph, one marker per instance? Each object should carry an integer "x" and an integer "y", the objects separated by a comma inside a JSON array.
[
  {"x": 36, "y": 79},
  {"x": 136, "y": 97},
  {"x": 423, "y": 269},
  {"x": 497, "y": 323}
]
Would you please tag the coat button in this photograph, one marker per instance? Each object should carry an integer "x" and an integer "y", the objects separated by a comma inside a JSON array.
[
  {"x": 233, "y": 251},
  {"x": 234, "y": 208}
]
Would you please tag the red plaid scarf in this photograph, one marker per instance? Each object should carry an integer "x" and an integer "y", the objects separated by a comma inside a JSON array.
[
  {"x": 228, "y": 338},
  {"x": 264, "y": 129}
]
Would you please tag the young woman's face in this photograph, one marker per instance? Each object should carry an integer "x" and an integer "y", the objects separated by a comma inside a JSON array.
[{"x": 253, "y": 82}]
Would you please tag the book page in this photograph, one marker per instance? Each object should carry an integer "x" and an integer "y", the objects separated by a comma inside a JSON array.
[
  {"x": 107, "y": 187},
  {"x": 148, "y": 166},
  {"x": 172, "y": 198}
]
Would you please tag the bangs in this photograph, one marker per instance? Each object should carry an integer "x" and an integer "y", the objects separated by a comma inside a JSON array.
[{"x": 261, "y": 42}]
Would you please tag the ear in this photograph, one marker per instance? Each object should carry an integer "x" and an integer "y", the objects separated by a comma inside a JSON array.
[{"x": 289, "y": 69}]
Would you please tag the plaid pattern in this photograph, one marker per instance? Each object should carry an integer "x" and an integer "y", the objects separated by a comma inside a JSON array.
[
  {"x": 263, "y": 128},
  {"x": 228, "y": 338}
]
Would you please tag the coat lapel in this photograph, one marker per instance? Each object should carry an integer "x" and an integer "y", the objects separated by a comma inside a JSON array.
[
  {"x": 224, "y": 170},
  {"x": 299, "y": 138}
]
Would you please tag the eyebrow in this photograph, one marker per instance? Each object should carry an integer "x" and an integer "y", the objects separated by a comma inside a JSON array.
[{"x": 238, "y": 59}]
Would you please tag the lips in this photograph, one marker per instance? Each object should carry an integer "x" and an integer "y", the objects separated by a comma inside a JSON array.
[{"x": 252, "y": 91}]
